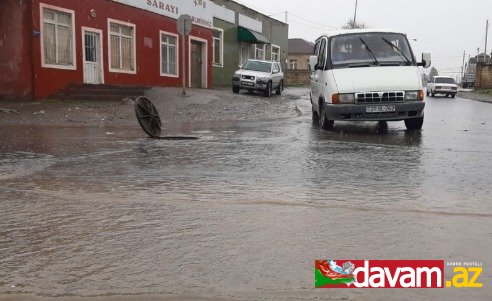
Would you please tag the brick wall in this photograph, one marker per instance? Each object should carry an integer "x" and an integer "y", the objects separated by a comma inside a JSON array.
[
  {"x": 297, "y": 77},
  {"x": 484, "y": 76}
]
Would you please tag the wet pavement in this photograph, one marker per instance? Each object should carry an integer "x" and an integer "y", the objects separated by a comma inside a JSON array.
[{"x": 242, "y": 212}]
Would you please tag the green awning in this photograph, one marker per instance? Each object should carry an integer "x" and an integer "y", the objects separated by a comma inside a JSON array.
[{"x": 251, "y": 36}]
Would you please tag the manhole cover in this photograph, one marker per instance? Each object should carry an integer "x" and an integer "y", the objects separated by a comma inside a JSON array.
[{"x": 148, "y": 117}]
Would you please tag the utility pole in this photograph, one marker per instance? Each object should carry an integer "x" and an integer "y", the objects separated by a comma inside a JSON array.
[
  {"x": 486, "y": 34},
  {"x": 355, "y": 13},
  {"x": 286, "y": 17},
  {"x": 463, "y": 66}
]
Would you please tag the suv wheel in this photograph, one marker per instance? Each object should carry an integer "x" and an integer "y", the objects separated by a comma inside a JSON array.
[
  {"x": 325, "y": 123},
  {"x": 268, "y": 90},
  {"x": 414, "y": 123},
  {"x": 433, "y": 94},
  {"x": 280, "y": 88},
  {"x": 235, "y": 89}
]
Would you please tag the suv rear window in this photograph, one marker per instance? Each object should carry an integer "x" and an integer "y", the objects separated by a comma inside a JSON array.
[{"x": 444, "y": 80}]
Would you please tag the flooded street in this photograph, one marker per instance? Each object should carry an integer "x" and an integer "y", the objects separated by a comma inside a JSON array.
[{"x": 242, "y": 212}]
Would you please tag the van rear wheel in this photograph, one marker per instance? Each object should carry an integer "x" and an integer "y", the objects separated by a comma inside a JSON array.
[{"x": 315, "y": 116}]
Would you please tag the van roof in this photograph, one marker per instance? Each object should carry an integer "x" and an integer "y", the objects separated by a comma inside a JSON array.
[{"x": 339, "y": 32}]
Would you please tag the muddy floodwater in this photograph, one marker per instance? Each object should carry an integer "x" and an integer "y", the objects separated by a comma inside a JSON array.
[{"x": 242, "y": 212}]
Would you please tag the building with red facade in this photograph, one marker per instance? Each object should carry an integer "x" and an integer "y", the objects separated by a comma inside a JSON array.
[{"x": 46, "y": 45}]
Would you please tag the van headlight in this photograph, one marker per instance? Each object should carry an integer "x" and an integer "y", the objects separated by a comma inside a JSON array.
[{"x": 412, "y": 95}]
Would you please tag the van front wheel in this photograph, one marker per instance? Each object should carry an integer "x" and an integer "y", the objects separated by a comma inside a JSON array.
[
  {"x": 413, "y": 124},
  {"x": 325, "y": 123}
]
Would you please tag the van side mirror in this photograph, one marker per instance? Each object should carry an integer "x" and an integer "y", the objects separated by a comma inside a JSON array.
[
  {"x": 426, "y": 60},
  {"x": 240, "y": 66},
  {"x": 313, "y": 60}
]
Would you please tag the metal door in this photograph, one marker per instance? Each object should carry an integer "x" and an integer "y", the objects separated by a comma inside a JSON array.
[
  {"x": 196, "y": 64},
  {"x": 92, "y": 58}
]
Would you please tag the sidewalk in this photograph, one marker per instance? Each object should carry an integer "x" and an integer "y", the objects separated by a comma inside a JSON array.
[
  {"x": 196, "y": 106},
  {"x": 473, "y": 95}
]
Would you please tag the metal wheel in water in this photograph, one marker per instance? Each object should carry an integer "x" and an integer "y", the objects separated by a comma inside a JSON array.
[{"x": 148, "y": 117}]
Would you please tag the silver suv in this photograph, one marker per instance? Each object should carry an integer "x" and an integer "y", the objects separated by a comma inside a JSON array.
[{"x": 257, "y": 75}]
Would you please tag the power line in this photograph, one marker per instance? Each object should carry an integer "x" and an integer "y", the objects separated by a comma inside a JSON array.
[
  {"x": 446, "y": 57},
  {"x": 323, "y": 25},
  {"x": 308, "y": 25}
]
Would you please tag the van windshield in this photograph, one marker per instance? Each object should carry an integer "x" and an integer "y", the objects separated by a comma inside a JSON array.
[
  {"x": 370, "y": 49},
  {"x": 258, "y": 66}
]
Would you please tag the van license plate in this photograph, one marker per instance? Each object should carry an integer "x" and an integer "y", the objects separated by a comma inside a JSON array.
[{"x": 380, "y": 109}]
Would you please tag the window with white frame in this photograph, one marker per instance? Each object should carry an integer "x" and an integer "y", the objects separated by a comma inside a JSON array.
[
  {"x": 169, "y": 54},
  {"x": 58, "y": 38},
  {"x": 122, "y": 47},
  {"x": 293, "y": 64},
  {"x": 217, "y": 47},
  {"x": 275, "y": 53},
  {"x": 260, "y": 51}
]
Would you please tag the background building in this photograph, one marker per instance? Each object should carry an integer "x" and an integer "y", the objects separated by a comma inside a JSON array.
[
  {"x": 241, "y": 33},
  {"x": 298, "y": 61},
  {"x": 49, "y": 44}
]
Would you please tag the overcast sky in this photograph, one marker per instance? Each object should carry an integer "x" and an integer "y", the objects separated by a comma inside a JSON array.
[{"x": 445, "y": 28}]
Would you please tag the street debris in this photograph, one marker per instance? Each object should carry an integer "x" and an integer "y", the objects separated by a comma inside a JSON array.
[
  {"x": 39, "y": 112},
  {"x": 8, "y": 111},
  {"x": 127, "y": 101}
]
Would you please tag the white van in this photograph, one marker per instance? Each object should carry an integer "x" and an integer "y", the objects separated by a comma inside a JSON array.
[{"x": 366, "y": 74}]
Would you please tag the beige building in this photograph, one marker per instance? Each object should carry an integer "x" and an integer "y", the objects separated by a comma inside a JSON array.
[
  {"x": 299, "y": 52},
  {"x": 297, "y": 72}
]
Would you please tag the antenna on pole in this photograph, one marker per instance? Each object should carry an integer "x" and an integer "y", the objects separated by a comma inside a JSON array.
[{"x": 286, "y": 17}]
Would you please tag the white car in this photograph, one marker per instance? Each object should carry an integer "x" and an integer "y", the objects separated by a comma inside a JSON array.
[
  {"x": 258, "y": 75},
  {"x": 442, "y": 85}
]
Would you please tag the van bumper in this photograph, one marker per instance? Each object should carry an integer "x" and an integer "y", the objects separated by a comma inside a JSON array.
[{"x": 403, "y": 110}]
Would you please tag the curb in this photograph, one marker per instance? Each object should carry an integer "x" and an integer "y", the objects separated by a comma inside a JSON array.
[{"x": 475, "y": 96}]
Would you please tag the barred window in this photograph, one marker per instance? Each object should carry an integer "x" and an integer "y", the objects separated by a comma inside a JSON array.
[
  {"x": 121, "y": 47},
  {"x": 58, "y": 38},
  {"x": 169, "y": 54}
]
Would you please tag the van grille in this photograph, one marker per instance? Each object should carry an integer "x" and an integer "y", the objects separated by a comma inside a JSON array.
[{"x": 374, "y": 97}]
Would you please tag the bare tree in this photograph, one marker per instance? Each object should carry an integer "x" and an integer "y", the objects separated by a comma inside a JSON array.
[
  {"x": 350, "y": 24},
  {"x": 433, "y": 72}
]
